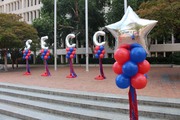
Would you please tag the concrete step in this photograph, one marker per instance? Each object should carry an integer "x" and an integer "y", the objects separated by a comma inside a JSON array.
[
  {"x": 83, "y": 105},
  {"x": 35, "y": 107},
  {"x": 5, "y": 117},
  {"x": 167, "y": 102},
  {"x": 20, "y": 113}
]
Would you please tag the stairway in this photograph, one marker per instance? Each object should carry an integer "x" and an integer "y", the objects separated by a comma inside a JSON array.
[{"x": 20, "y": 102}]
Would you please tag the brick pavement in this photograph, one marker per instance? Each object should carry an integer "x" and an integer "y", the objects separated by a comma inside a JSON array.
[{"x": 163, "y": 82}]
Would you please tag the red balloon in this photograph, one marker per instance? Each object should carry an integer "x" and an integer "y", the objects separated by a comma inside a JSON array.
[
  {"x": 42, "y": 51},
  {"x": 122, "y": 55},
  {"x": 48, "y": 51},
  {"x": 101, "y": 56},
  {"x": 95, "y": 51},
  {"x": 74, "y": 52},
  {"x": 126, "y": 46},
  {"x": 28, "y": 54},
  {"x": 74, "y": 49},
  {"x": 29, "y": 51},
  {"x": 103, "y": 52},
  {"x": 138, "y": 81},
  {"x": 117, "y": 68},
  {"x": 27, "y": 57},
  {"x": 71, "y": 56},
  {"x": 47, "y": 54},
  {"x": 97, "y": 48},
  {"x": 67, "y": 49},
  {"x": 45, "y": 57},
  {"x": 143, "y": 67}
]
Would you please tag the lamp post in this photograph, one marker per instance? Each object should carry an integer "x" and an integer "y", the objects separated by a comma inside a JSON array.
[
  {"x": 125, "y": 6},
  {"x": 87, "y": 46},
  {"x": 55, "y": 32}
]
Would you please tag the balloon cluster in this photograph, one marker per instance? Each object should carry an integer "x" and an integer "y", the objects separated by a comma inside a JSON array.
[
  {"x": 131, "y": 66},
  {"x": 45, "y": 54},
  {"x": 99, "y": 51},
  {"x": 26, "y": 54},
  {"x": 71, "y": 52}
]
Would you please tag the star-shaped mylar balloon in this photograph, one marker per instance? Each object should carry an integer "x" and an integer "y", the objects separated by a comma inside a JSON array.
[{"x": 131, "y": 29}]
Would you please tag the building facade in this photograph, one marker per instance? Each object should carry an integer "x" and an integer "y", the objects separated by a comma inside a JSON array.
[
  {"x": 27, "y": 9},
  {"x": 30, "y": 10}
]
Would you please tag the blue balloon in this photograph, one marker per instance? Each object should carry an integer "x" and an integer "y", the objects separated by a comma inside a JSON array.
[
  {"x": 29, "y": 58},
  {"x": 69, "y": 53},
  {"x": 24, "y": 57},
  {"x": 135, "y": 45},
  {"x": 101, "y": 47},
  {"x": 24, "y": 54},
  {"x": 43, "y": 54},
  {"x": 67, "y": 56},
  {"x": 49, "y": 57},
  {"x": 42, "y": 57},
  {"x": 129, "y": 69},
  {"x": 27, "y": 51},
  {"x": 96, "y": 55},
  {"x": 71, "y": 49},
  {"x": 45, "y": 51},
  {"x": 138, "y": 54},
  {"x": 122, "y": 81},
  {"x": 99, "y": 52}
]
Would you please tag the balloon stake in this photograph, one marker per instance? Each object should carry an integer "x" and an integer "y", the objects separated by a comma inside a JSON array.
[
  {"x": 71, "y": 53},
  {"x": 99, "y": 53},
  {"x": 45, "y": 55},
  {"x": 27, "y": 56}
]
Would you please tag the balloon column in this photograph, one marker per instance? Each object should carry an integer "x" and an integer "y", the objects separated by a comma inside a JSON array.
[
  {"x": 130, "y": 64},
  {"x": 71, "y": 53},
  {"x": 131, "y": 68},
  {"x": 45, "y": 55},
  {"x": 99, "y": 53},
  {"x": 26, "y": 56}
]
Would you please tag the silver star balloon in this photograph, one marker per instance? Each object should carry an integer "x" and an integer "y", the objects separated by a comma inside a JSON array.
[{"x": 131, "y": 29}]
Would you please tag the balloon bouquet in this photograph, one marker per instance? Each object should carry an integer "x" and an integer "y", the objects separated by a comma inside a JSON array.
[
  {"x": 45, "y": 52},
  {"x": 27, "y": 56},
  {"x": 99, "y": 53},
  {"x": 131, "y": 66},
  {"x": 71, "y": 53}
]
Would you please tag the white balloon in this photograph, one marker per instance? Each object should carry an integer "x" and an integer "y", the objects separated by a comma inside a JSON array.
[
  {"x": 132, "y": 29},
  {"x": 28, "y": 46},
  {"x": 70, "y": 36},
  {"x": 43, "y": 43},
  {"x": 95, "y": 37}
]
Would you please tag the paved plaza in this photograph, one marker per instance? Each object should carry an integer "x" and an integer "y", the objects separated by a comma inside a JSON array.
[{"x": 163, "y": 82}]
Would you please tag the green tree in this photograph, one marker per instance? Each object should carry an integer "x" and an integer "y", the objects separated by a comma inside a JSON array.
[
  {"x": 13, "y": 33},
  {"x": 166, "y": 12},
  {"x": 70, "y": 19}
]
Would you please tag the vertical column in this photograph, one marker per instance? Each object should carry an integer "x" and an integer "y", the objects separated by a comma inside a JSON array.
[
  {"x": 164, "y": 54},
  {"x": 172, "y": 38},
  {"x": 33, "y": 15},
  {"x": 156, "y": 54},
  {"x": 62, "y": 61},
  {"x": 37, "y": 14},
  {"x": 29, "y": 16},
  {"x": 77, "y": 45},
  {"x": 4, "y": 9},
  {"x": 155, "y": 41}
]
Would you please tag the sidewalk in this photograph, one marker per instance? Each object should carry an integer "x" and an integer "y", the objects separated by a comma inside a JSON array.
[{"x": 163, "y": 82}]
